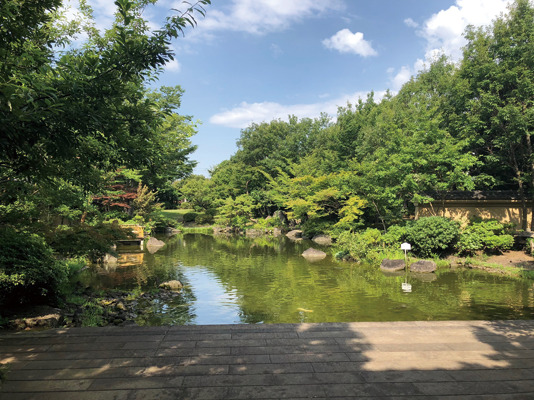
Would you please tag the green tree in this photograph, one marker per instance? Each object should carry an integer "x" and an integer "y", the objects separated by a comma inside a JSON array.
[
  {"x": 318, "y": 202},
  {"x": 275, "y": 144},
  {"x": 29, "y": 273},
  {"x": 406, "y": 149},
  {"x": 432, "y": 236},
  {"x": 71, "y": 115},
  {"x": 233, "y": 178},
  {"x": 145, "y": 203},
  {"x": 353, "y": 122},
  {"x": 496, "y": 110},
  {"x": 170, "y": 146},
  {"x": 236, "y": 213},
  {"x": 63, "y": 112},
  {"x": 198, "y": 191}
]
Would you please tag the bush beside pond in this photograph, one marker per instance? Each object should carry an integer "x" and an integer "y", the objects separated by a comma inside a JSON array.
[
  {"x": 29, "y": 272},
  {"x": 430, "y": 237}
]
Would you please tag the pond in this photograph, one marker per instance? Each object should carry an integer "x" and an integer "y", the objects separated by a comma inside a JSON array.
[{"x": 266, "y": 280}]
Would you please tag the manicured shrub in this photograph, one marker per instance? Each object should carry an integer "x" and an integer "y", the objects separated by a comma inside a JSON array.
[
  {"x": 190, "y": 216},
  {"x": 489, "y": 235},
  {"x": 432, "y": 236},
  {"x": 204, "y": 218},
  {"x": 29, "y": 272},
  {"x": 165, "y": 221}
]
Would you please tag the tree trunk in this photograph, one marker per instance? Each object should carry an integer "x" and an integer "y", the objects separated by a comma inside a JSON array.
[
  {"x": 380, "y": 217},
  {"x": 522, "y": 194},
  {"x": 524, "y": 209},
  {"x": 531, "y": 197}
]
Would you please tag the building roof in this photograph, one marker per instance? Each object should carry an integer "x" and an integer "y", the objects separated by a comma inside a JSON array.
[{"x": 475, "y": 195}]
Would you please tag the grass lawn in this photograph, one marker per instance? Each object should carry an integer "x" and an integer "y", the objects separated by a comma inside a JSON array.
[{"x": 178, "y": 215}]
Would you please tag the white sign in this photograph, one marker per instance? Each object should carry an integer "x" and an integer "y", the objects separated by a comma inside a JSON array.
[
  {"x": 406, "y": 288},
  {"x": 406, "y": 246}
]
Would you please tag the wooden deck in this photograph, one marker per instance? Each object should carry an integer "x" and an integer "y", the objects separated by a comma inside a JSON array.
[{"x": 446, "y": 360}]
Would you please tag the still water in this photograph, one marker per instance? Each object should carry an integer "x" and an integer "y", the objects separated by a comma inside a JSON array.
[{"x": 266, "y": 280}]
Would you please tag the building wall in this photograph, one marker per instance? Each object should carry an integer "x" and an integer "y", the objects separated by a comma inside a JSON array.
[{"x": 463, "y": 210}]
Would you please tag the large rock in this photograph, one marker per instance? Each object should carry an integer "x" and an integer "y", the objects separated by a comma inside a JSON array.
[
  {"x": 423, "y": 266},
  {"x": 39, "y": 317},
  {"x": 110, "y": 259},
  {"x": 154, "y": 245},
  {"x": 314, "y": 254},
  {"x": 226, "y": 231},
  {"x": 294, "y": 234},
  {"x": 392, "y": 265},
  {"x": 281, "y": 216},
  {"x": 323, "y": 240},
  {"x": 172, "y": 285},
  {"x": 277, "y": 232}
]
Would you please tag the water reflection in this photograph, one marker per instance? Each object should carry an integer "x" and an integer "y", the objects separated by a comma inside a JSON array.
[{"x": 266, "y": 280}]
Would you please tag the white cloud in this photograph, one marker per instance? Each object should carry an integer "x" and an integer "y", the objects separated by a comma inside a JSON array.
[
  {"x": 444, "y": 31},
  {"x": 347, "y": 42},
  {"x": 400, "y": 78},
  {"x": 70, "y": 12},
  {"x": 403, "y": 75},
  {"x": 103, "y": 7},
  {"x": 173, "y": 66},
  {"x": 247, "y": 113},
  {"x": 103, "y": 12},
  {"x": 263, "y": 16},
  {"x": 411, "y": 23}
]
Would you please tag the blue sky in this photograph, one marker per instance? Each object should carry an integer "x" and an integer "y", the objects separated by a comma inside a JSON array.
[{"x": 257, "y": 60}]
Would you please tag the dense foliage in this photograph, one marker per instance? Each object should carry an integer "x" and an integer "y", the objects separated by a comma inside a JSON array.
[
  {"x": 489, "y": 235},
  {"x": 454, "y": 126},
  {"x": 30, "y": 273},
  {"x": 84, "y": 138},
  {"x": 85, "y": 141},
  {"x": 432, "y": 235}
]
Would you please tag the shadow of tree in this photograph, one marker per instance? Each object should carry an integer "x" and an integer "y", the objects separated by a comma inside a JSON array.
[
  {"x": 508, "y": 348},
  {"x": 325, "y": 360}
]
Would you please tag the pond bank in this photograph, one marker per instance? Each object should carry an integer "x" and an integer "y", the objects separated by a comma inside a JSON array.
[
  {"x": 235, "y": 280},
  {"x": 512, "y": 263},
  {"x": 89, "y": 308}
]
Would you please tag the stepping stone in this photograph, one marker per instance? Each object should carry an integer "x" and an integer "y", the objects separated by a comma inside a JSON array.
[{"x": 392, "y": 265}]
